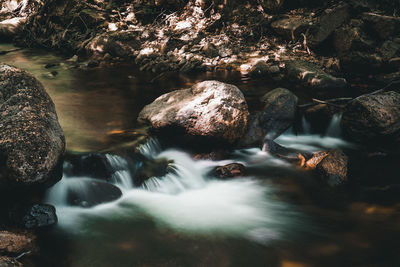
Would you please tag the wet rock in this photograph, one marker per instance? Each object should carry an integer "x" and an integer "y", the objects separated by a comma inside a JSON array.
[
  {"x": 290, "y": 155},
  {"x": 230, "y": 170},
  {"x": 151, "y": 168},
  {"x": 363, "y": 63},
  {"x": 214, "y": 155},
  {"x": 291, "y": 27},
  {"x": 90, "y": 165},
  {"x": 260, "y": 69},
  {"x": 209, "y": 109},
  {"x": 373, "y": 119},
  {"x": 32, "y": 143},
  {"x": 95, "y": 193},
  {"x": 9, "y": 262},
  {"x": 310, "y": 75},
  {"x": 333, "y": 168},
  {"x": 277, "y": 116},
  {"x": 327, "y": 23},
  {"x": 39, "y": 215},
  {"x": 319, "y": 116},
  {"x": 384, "y": 26},
  {"x": 316, "y": 158},
  {"x": 14, "y": 244}
]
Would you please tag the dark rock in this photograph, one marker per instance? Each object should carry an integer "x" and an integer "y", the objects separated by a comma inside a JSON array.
[
  {"x": 230, "y": 170},
  {"x": 210, "y": 50},
  {"x": 384, "y": 26},
  {"x": 151, "y": 168},
  {"x": 310, "y": 75},
  {"x": 291, "y": 27},
  {"x": 333, "y": 168},
  {"x": 277, "y": 116},
  {"x": 373, "y": 119},
  {"x": 363, "y": 63},
  {"x": 389, "y": 49},
  {"x": 387, "y": 78},
  {"x": 395, "y": 62},
  {"x": 273, "y": 5},
  {"x": 90, "y": 165},
  {"x": 346, "y": 39},
  {"x": 51, "y": 65},
  {"x": 290, "y": 155},
  {"x": 32, "y": 143},
  {"x": 209, "y": 109},
  {"x": 327, "y": 23},
  {"x": 93, "y": 64},
  {"x": 14, "y": 244},
  {"x": 260, "y": 69},
  {"x": 39, "y": 215},
  {"x": 94, "y": 193},
  {"x": 319, "y": 116}
]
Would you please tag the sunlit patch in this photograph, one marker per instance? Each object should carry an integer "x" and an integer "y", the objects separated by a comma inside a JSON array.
[{"x": 112, "y": 27}]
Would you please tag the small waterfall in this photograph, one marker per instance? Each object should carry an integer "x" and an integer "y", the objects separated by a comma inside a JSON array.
[
  {"x": 183, "y": 175},
  {"x": 150, "y": 149},
  {"x": 121, "y": 177},
  {"x": 334, "y": 129},
  {"x": 305, "y": 125}
]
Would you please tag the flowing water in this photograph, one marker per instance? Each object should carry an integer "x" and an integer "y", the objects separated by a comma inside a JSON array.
[{"x": 278, "y": 215}]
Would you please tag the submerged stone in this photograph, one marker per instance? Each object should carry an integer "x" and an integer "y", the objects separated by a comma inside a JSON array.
[{"x": 93, "y": 194}]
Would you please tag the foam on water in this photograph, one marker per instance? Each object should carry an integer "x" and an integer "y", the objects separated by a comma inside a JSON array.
[{"x": 188, "y": 200}]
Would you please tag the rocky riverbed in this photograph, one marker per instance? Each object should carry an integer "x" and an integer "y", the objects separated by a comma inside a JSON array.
[{"x": 317, "y": 99}]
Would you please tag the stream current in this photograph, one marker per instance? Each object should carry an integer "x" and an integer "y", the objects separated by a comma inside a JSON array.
[{"x": 277, "y": 215}]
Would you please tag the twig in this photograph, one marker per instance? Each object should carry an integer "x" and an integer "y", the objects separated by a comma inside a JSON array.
[
  {"x": 22, "y": 254},
  {"x": 327, "y": 102},
  {"x": 305, "y": 44},
  {"x": 157, "y": 77},
  {"x": 9, "y": 51},
  {"x": 384, "y": 88}
]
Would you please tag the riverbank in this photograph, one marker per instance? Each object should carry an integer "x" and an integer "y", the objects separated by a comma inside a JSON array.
[{"x": 355, "y": 40}]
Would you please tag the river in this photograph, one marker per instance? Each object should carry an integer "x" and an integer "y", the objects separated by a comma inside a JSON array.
[{"x": 277, "y": 215}]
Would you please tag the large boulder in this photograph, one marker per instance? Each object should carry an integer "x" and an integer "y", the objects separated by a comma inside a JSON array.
[
  {"x": 327, "y": 23},
  {"x": 276, "y": 117},
  {"x": 209, "y": 109},
  {"x": 312, "y": 76},
  {"x": 374, "y": 118},
  {"x": 32, "y": 143}
]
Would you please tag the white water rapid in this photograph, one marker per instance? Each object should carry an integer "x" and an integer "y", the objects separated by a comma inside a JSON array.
[{"x": 188, "y": 200}]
